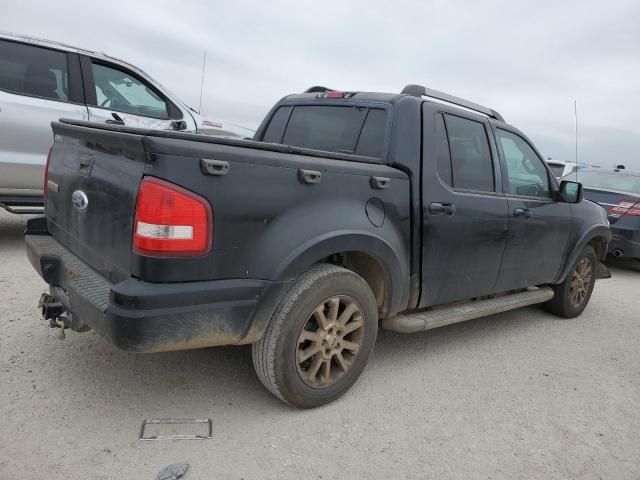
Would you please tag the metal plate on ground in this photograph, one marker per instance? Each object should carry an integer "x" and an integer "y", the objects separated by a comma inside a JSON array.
[{"x": 152, "y": 429}]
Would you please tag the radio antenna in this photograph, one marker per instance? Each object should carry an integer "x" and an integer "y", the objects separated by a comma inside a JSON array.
[
  {"x": 575, "y": 114},
  {"x": 204, "y": 63}
]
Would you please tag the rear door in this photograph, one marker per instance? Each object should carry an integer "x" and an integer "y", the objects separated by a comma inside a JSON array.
[
  {"x": 464, "y": 212},
  {"x": 539, "y": 226},
  {"x": 117, "y": 95},
  {"x": 37, "y": 86}
]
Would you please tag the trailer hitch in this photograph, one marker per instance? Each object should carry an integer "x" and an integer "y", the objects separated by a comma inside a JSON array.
[{"x": 52, "y": 309}]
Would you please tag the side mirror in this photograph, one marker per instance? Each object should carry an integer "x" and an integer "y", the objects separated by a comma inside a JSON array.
[{"x": 571, "y": 192}]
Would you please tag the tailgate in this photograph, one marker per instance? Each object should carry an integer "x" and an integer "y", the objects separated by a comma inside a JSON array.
[{"x": 92, "y": 185}]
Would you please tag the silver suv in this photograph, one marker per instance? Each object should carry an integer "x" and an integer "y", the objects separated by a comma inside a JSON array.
[{"x": 42, "y": 81}]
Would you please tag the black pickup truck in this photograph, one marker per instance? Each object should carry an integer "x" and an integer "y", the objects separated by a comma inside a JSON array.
[{"x": 347, "y": 209}]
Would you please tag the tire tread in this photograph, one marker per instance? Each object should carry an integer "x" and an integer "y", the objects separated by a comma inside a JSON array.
[{"x": 264, "y": 351}]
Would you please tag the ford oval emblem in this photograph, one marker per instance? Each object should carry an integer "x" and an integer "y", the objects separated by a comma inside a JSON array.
[{"x": 80, "y": 200}]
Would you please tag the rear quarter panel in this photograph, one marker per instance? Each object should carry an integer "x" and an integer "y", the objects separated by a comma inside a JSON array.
[{"x": 269, "y": 225}]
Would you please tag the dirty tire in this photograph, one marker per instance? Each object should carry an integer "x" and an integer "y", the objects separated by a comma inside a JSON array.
[
  {"x": 276, "y": 356},
  {"x": 562, "y": 304}
]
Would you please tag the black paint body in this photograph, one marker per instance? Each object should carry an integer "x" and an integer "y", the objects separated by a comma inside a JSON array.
[{"x": 270, "y": 225}]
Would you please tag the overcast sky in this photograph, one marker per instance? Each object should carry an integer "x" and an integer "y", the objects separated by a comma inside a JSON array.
[{"x": 528, "y": 60}]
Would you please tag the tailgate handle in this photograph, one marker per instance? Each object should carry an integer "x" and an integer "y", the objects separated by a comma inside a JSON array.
[
  {"x": 379, "y": 183},
  {"x": 309, "y": 176},
  {"x": 214, "y": 167},
  {"x": 85, "y": 163}
]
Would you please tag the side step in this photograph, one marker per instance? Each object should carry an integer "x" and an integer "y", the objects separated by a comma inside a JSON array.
[{"x": 441, "y": 316}]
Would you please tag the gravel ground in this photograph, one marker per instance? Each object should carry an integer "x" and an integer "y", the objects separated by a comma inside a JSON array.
[{"x": 517, "y": 395}]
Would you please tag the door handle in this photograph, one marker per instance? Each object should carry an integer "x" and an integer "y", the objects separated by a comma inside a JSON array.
[
  {"x": 522, "y": 212},
  {"x": 442, "y": 208},
  {"x": 117, "y": 119},
  {"x": 309, "y": 176}
]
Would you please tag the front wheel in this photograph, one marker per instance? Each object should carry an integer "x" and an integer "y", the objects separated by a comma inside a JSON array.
[
  {"x": 319, "y": 339},
  {"x": 572, "y": 296}
]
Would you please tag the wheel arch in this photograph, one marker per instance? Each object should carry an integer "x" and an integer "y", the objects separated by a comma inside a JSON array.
[
  {"x": 598, "y": 237},
  {"x": 381, "y": 265}
]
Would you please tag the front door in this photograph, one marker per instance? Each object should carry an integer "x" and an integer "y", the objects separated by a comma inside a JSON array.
[
  {"x": 464, "y": 213},
  {"x": 539, "y": 226},
  {"x": 118, "y": 96}
]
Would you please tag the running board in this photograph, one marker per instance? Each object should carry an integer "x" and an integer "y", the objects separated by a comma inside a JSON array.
[{"x": 441, "y": 316}]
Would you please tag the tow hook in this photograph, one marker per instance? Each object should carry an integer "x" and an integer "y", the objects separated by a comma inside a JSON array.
[{"x": 53, "y": 310}]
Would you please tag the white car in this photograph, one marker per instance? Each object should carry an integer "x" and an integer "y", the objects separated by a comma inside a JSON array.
[
  {"x": 42, "y": 81},
  {"x": 561, "y": 168}
]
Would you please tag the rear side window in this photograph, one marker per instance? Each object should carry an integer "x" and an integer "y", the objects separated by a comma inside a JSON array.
[
  {"x": 342, "y": 129},
  {"x": 33, "y": 71},
  {"x": 471, "y": 164},
  {"x": 443, "y": 157}
]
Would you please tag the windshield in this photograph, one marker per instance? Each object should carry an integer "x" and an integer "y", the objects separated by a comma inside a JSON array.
[{"x": 608, "y": 181}]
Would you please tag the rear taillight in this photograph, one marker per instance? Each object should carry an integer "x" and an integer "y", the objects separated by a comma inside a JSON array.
[
  {"x": 625, "y": 207},
  {"x": 46, "y": 173},
  {"x": 171, "y": 220}
]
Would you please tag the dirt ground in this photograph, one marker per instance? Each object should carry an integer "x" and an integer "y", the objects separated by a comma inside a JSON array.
[{"x": 517, "y": 395}]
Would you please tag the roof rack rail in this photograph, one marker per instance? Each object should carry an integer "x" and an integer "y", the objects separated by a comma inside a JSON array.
[
  {"x": 420, "y": 91},
  {"x": 318, "y": 89}
]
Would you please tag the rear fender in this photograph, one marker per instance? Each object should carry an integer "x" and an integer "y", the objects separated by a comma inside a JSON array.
[{"x": 314, "y": 231}]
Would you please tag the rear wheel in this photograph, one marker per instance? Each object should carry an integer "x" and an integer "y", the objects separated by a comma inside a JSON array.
[
  {"x": 572, "y": 296},
  {"x": 319, "y": 339}
]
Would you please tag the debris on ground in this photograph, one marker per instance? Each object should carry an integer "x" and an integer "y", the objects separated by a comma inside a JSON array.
[{"x": 173, "y": 471}]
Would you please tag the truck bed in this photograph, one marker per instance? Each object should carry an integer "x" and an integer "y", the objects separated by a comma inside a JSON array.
[{"x": 268, "y": 223}]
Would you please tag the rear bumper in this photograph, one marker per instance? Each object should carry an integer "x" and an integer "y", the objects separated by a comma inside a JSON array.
[
  {"x": 147, "y": 317},
  {"x": 625, "y": 243}
]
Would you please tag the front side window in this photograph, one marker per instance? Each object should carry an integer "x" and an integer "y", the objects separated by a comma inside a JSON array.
[
  {"x": 33, "y": 71},
  {"x": 471, "y": 163},
  {"x": 526, "y": 173},
  {"x": 120, "y": 91}
]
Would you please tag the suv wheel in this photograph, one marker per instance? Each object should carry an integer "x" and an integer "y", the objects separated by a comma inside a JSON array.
[
  {"x": 572, "y": 296},
  {"x": 319, "y": 339}
]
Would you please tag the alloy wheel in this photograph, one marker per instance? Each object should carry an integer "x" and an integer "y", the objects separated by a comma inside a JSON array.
[
  {"x": 330, "y": 341},
  {"x": 580, "y": 282}
]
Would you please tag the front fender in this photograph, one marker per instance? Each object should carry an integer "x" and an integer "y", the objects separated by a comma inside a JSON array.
[{"x": 593, "y": 232}]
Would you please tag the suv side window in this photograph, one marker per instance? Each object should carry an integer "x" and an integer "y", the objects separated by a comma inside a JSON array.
[
  {"x": 121, "y": 91},
  {"x": 526, "y": 172},
  {"x": 34, "y": 71},
  {"x": 471, "y": 163}
]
